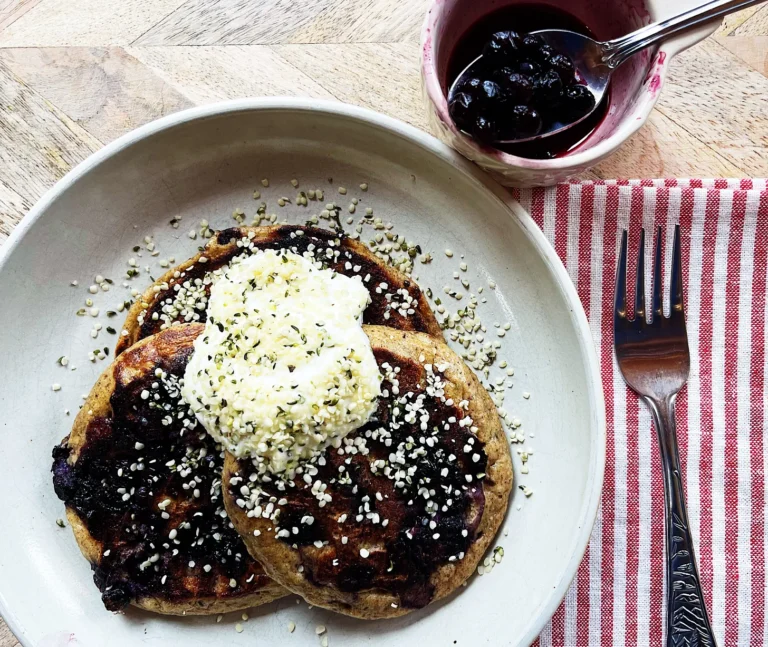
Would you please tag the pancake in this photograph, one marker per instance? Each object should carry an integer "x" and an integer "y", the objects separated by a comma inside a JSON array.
[
  {"x": 141, "y": 480},
  {"x": 402, "y": 513},
  {"x": 181, "y": 294}
]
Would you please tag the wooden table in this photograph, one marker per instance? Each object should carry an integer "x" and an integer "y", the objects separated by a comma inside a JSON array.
[{"x": 75, "y": 75}]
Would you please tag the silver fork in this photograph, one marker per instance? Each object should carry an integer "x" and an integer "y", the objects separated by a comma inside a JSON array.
[{"x": 655, "y": 362}]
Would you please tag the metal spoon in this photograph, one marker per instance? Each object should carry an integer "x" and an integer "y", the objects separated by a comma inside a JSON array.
[{"x": 595, "y": 61}]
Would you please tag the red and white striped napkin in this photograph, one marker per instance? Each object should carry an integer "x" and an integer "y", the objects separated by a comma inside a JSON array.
[{"x": 617, "y": 597}]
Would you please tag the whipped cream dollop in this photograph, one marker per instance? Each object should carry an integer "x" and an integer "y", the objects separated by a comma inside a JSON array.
[{"x": 283, "y": 369}]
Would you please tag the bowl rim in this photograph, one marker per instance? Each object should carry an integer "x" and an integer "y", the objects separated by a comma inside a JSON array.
[
  {"x": 430, "y": 144},
  {"x": 631, "y": 123}
]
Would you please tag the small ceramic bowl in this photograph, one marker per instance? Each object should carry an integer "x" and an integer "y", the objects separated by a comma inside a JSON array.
[{"x": 634, "y": 90}]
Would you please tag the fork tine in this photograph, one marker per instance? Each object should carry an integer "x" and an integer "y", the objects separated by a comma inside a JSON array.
[
  {"x": 640, "y": 281},
  {"x": 676, "y": 284},
  {"x": 620, "y": 311},
  {"x": 658, "y": 306}
]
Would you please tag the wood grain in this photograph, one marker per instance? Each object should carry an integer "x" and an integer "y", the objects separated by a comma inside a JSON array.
[
  {"x": 753, "y": 50},
  {"x": 6, "y": 637},
  {"x": 75, "y": 74},
  {"x": 12, "y": 10},
  {"x": 372, "y": 21},
  {"x": 735, "y": 20},
  {"x": 755, "y": 25},
  {"x": 38, "y": 145},
  {"x": 12, "y": 207},
  {"x": 90, "y": 23},
  {"x": 232, "y": 22},
  {"x": 205, "y": 74},
  {"x": 662, "y": 149},
  {"x": 105, "y": 90},
  {"x": 713, "y": 96},
  {"x": 384, "y": 77},
  {"x": 240, "y": 22}
]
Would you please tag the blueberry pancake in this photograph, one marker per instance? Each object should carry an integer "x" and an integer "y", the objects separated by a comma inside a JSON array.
[
  {"x": 401, "y": 511},
  {"x": 181, "y": 294},
  {"x": 141, "y": 480}
]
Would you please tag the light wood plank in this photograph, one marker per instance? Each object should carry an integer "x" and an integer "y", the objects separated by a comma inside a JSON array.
[
  {"x": 240, "y": 22},
  {"x": 88, "y": 23},
  {"x": 735, "y": 20},
  {"x": 368, "y": 21},
  {"x": 713, "y": 96},
  {"x": 105, "y": 90},
  {"x": 12, "y": 10},
  {"x": 661, "y": 149},
  {"x": 233, "y": 22},
  {"x": 6, "y": 637},
  {"x": 755, "y": 25},
  {"x": 753, "y": 50},
  {"x": 384, "y": 77},
  {"x": 12, "y": 210},
  {"x": 205, "y": 74},
  {"x": 38, "y": 145}
]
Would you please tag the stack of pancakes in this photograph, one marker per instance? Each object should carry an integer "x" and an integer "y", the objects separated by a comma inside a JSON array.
[{"x": 172, "y": 523}]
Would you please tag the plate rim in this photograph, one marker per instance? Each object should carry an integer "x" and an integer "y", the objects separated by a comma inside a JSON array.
[{"x": 430, "y": 145}]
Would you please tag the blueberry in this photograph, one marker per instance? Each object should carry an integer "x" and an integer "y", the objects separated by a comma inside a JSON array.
[
  {"x": 563, "y": 65},
  {"x": 462, "y": 109},
  {"x": 525, "y": 122},
  {"x": 529, "y": 68},
  {"x": 485, "y": 129},
  {"x": 547, "y": 90},
  {"x": 489, "y": 93},
  {"x": 504, "y": 45},
  {"x": 545, "y": 54},
  {"x": 517, "y": 88},
  {"x": 501, "y": 74},
  {"x": 577, "y": 102},
  {"x": 469, "y": 85},
  {"x": 531, "y": 44}
]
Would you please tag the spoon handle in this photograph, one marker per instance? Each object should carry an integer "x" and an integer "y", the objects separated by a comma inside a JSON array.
[{"x": 619, "y": 50}]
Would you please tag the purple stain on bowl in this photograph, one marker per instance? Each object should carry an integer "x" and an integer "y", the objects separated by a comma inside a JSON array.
[{"x": 654, "y": 79}]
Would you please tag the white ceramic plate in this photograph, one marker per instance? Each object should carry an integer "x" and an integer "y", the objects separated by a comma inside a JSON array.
[{"x": 202, "y": 163}]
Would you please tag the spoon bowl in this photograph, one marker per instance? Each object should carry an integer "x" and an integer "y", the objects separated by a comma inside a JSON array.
[{"x": 591, "y": 71}]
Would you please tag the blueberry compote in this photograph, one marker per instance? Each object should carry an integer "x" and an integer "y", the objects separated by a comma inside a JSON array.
[{"x": 522, "y": 86}]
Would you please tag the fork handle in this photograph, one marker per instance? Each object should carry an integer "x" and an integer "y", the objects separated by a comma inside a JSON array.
[{"x": 687, "y": 620}]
